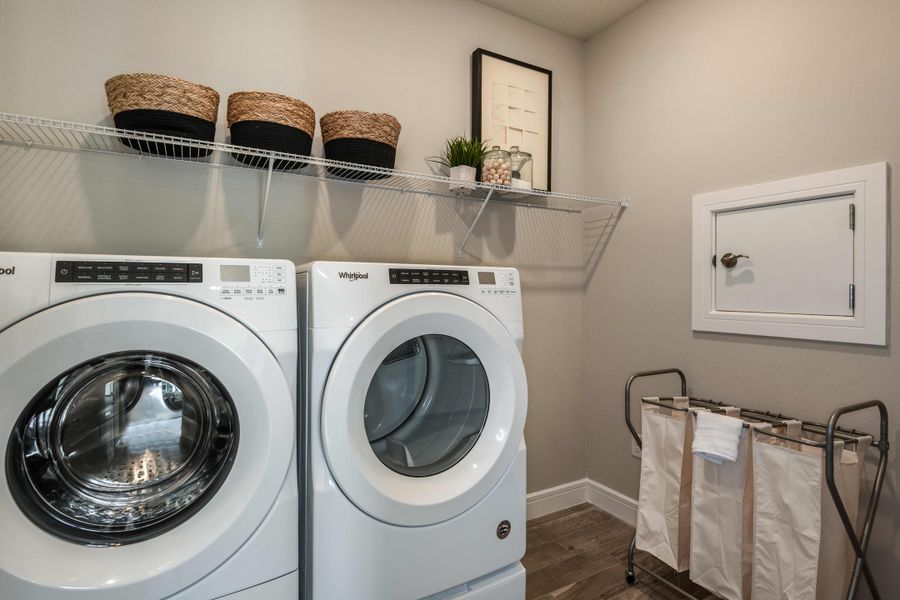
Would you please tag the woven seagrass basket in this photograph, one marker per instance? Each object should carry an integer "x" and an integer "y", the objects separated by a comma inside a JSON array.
[
  {"x": 163, "y": 105},
  {"x": 360, "y": 137},
  {"x": 268, "y": 121}
]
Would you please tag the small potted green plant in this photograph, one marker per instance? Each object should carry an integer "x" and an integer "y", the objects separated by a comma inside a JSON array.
[{"x": 463, "y": 156}]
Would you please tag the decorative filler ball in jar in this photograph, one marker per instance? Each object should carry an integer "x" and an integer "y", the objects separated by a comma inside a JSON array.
[{"x": 496, "y": 167}]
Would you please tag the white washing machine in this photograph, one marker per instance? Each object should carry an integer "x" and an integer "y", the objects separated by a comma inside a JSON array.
[
  {"x": 147, "y": 410},
  {"x": 416, "y": 399}
]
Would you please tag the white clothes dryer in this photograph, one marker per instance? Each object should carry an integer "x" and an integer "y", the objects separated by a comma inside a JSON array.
[
  {"x": 416, "y": 400},
  {"x": 148, "y": 410}
]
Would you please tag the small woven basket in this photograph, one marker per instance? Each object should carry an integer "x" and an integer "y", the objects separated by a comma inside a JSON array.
[
  {"x": 146, "y": 91},
  {"x": 163, "y": 105},
  {"x": 362, "y": 138},
  {"x": 271, "y": 108},
  {"x": 377, "y": 127},
  {"x": 269, "y": 121}
]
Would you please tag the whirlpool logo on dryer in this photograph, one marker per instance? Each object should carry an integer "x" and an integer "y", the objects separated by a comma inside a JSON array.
[
  {"x": 352, "y": 276},
  {"x": 7, "y": 271}
]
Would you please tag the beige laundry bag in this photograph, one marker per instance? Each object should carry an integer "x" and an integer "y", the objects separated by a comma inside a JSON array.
[
  {"x": 834, "y": 578},
  {"x": 722, "y": 520},
  {"x": 664, "y": 501},
  {"x": 800, "y": 549}
]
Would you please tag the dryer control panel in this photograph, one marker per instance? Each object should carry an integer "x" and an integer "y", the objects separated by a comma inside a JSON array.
[
  {"x": 341, "y": 294},
  {"x": 429, "y": 276}
]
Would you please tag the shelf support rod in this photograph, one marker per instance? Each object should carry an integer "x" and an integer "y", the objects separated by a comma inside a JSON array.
[
  {"x": 462, "y": 245},
  {"x": 263, "y": 206}
]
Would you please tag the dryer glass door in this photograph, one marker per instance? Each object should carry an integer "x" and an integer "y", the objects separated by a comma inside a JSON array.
[
  {"x": 426, "y": 405},
  {"x": 424, "y": 409}
]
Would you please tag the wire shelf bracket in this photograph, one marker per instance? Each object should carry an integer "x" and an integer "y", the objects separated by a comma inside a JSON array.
[
  {"x": 264, "y": 205},
  {"x": 465, "y": 239}
]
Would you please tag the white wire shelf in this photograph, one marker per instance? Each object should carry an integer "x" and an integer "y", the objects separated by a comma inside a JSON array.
[{"x": 70, "y": 136}]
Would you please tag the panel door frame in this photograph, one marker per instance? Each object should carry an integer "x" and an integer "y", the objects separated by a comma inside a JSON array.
[{"x": 868, "y": 185}]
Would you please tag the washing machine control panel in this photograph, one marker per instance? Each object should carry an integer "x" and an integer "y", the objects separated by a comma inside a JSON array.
[
  {"x": 497, "y": 283},
  {"x": 257, "y": 291},
  {"x": 97, "y": 271},
  {"x": 429, "y": 276},
  {"x": 252, "y": 281}
]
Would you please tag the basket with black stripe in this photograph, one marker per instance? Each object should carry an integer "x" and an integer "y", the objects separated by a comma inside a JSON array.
[
  {"x": 360, "y": 137},
  {"x": 269, "y": 121},
  {"x": 163, "y": 105}
]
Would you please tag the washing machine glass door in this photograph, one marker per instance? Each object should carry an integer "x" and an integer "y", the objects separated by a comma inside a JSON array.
[
  {"x": 146, "y": 438},
  {"x": 424, "y": 409},
  {"x": 122, "y": 447}
]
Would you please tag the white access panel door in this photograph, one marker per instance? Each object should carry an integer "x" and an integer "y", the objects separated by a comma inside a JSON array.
[
  {"x": 805, "y": 257},
  {"x": 799, "y": 258}
]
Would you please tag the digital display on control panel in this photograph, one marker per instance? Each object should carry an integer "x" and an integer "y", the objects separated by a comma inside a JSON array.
[
  {"x": 487, "y": 278},
  {"x": 94, "y": 271},
  {"x": 429, "y": 276},
  {"x": 235, "y": 273}
]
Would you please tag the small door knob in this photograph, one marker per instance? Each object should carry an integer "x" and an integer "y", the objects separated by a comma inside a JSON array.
[{"x": 729, "y": 260}]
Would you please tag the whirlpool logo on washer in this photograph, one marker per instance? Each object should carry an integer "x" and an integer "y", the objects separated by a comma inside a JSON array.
[
  {"x": 7, "y": 271},
  {"x": 354, "y": 276}
]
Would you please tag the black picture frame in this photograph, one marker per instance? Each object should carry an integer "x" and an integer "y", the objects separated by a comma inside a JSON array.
[{"x": 477, "y": 75}]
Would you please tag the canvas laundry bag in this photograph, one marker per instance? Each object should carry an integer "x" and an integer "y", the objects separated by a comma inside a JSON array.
[
  {"x": 722, "y": 520},
  {"x": 800, "y": 550},
  {"x": 722, "y": 517},
  {"x": 664, "y": 500},
  {"x": 836, "y": 556}
]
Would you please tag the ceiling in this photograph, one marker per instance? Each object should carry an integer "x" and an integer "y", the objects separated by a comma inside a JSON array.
[{"x": 580, "y": 19}]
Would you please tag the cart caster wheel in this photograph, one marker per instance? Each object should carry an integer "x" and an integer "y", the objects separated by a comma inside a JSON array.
[{"x": 630, "y": 579}]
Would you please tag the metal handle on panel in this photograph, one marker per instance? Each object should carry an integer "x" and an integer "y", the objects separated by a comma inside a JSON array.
[{"x": 729, "y": 260}]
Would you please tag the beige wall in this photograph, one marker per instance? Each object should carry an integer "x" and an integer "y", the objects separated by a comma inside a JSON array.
[
  {"x": 410, "y": 58},
  {"x": 699, "y": 95}
]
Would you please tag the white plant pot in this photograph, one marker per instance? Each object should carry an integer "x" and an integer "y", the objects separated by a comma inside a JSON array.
[{"x": 464, "y": 177}]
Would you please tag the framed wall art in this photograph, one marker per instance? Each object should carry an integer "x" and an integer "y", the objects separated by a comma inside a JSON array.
[{"x": 511, "y": 106}]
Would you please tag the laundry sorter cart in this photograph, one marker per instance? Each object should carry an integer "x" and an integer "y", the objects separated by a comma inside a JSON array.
[{"x": 825, "y": 439}]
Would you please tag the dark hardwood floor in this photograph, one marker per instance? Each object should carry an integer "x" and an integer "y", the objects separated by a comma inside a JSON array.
[{"x": 580, "y": 553}]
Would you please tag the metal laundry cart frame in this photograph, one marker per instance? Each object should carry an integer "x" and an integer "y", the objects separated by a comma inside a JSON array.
[{"x": 831, "y": 431}]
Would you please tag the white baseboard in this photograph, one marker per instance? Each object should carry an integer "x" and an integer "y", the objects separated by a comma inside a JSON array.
[
  {"x": 561, "y": 497},
  {"x": 615, "y": 503}
]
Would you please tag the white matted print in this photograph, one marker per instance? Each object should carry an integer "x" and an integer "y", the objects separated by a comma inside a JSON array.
[{"x": 511, "y": 106}]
